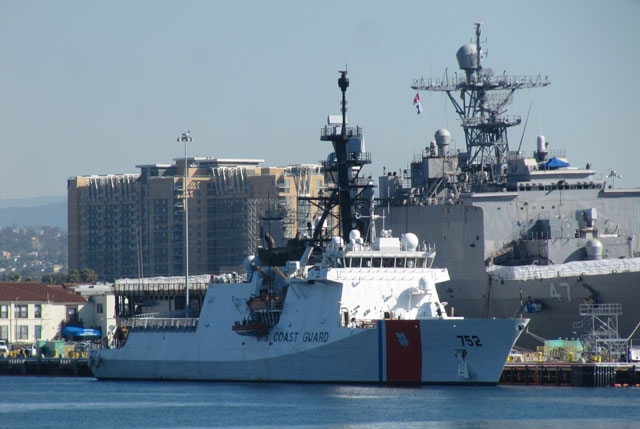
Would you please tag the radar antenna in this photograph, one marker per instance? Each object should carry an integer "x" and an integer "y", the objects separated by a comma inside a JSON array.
[{"x": 483, "y": 100}]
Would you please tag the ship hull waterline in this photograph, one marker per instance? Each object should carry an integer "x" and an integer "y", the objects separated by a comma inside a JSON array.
[{"x": 439, "y": 351}]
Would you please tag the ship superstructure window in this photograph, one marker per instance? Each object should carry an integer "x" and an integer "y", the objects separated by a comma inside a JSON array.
[
  {"x": 411, "y": 262},
  {"x": 375, "y": 262},
  {"x": 400, "y": 262},
  {"x": 22, "y": 311},
  {"x": 420, "y": 262},
  {"x": 387, "y": 262}
]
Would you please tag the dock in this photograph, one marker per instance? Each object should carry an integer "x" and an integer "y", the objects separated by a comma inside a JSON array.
[
  {"x": 571, "y": 374},
  {"x": 78, "y": 367}
]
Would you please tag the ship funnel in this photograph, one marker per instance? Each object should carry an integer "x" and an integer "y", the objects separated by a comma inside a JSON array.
[
  {"x": 468, "y": 57},
  {"x": 442, "y": 140}
]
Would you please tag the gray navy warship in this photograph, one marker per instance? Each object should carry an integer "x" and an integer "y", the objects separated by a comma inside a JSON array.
[{"x": 520, "y": 234}]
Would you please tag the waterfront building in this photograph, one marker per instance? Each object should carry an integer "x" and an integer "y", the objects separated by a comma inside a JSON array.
[
  {"x": 35, "y": 311},
  {"x": 132, "y": 225}
]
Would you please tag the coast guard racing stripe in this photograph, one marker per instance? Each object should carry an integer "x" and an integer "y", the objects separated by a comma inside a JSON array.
[{"x": 404, "y": 350}]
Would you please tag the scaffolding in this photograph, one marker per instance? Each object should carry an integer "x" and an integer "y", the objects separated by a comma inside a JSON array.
[{"x": 598, "y": 332}]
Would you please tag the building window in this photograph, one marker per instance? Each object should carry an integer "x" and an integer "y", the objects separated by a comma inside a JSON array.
[
  {"x": 37, "y": 332},
  {"x": 22, "y": 311},
  {"x": 4, "y": 311},
  {"x": 99, "y": 308},
  {"x": 4, "y": 332},
  {"x": 37, "y": 312},
  {"x": 23, "y": 332},
  {"x": 72, "y": 314}
]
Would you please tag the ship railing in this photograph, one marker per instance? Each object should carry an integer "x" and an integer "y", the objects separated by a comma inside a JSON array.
[
  {"x": 569, "y": 269},
  {"x": 336, "y": 130},
  {"x": 500, "y": 120},
  {"x": 501, "y": 81},
  {"x": 600, "y": 309},
  {"x": 158, "y": 323}
]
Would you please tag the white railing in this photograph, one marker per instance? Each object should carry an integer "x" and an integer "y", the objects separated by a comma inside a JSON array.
[{"x": 169, "y": 323}]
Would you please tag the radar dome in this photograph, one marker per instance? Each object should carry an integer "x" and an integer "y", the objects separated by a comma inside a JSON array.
[
  {"x": 468, "y": 57},
  {"x": 248, "y": 263},
  {"x": 442, "y": 139},
  {"x": 409, "y": 241},
  {"x": 354, "y": 234},
  {"x": 593, "y": 248}
]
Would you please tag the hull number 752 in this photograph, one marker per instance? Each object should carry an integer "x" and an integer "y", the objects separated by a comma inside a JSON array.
[{"x": 469, "y": 340}]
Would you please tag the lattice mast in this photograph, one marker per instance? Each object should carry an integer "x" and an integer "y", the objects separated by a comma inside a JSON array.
[{"x": 483, "y": 100}]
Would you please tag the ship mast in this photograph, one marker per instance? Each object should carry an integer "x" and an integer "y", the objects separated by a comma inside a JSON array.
[
  {"x": 483, "y": 100},
  {"x": 348, "y": 165}
]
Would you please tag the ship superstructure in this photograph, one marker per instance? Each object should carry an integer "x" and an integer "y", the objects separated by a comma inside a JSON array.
[
  {"x": 351, "y": 310},
  {"x": 520, "y": 233}
]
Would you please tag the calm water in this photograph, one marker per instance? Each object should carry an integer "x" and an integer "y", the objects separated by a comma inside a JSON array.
[{"x": 27, "y": 402}]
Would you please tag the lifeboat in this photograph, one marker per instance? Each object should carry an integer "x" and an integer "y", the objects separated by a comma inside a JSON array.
[{"x": 256, "y": 329}]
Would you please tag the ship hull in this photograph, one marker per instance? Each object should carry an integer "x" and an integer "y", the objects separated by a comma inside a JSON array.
[
  {"x": 460, "y": 233},
  {"x": 559, "y": 298},
  {"x": 438, "y": 351}
]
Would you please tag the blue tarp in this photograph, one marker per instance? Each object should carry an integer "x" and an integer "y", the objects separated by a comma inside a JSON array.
[
  {"x": 74, "y": 331},
  {"x": 554, "y": 163}
]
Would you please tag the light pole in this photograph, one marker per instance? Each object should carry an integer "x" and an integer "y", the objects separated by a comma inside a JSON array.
[{"x": 186, "y": 137}]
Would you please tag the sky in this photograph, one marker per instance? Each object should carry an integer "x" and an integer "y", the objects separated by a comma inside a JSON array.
[{"x": 100, "y": 87}]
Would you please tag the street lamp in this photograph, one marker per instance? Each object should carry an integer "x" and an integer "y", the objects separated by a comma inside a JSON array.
[{"x": 186, "y": 137}]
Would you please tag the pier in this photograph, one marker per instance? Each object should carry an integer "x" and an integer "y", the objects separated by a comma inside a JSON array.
[
  {"x": 571, "y": 374},
  {"x": 45, "y": 366}
]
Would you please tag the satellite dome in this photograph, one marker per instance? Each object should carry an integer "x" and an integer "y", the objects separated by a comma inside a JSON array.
[
  {"x": 468, "y": 57},
  {"x": 409, "y": 241},
  {"x": 249, "y": 263},
  {"x": 442, "y": 135}
]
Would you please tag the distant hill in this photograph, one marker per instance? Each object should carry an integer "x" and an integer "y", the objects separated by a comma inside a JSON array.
[{"x": 42, "y": 211}]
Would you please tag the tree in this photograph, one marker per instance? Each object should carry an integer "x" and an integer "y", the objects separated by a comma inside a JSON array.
[
  {"x": 14, "y": 277},
  {"x": 74, "y": 276},
  {"x": 87, "y": 275}
]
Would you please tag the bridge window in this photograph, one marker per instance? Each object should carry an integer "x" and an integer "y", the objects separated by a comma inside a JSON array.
[
  {"x": 420, "y": 262},
  {"x": 400, "y": 262},
  {"x": 411, "y": 262},
  {"x": 387, "y": 262},
  {"x": 376, "y": 262}
]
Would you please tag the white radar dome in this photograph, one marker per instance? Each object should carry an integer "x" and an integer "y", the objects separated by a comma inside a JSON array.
[
  {"x": 594, "y": 249},
  {"x": 409, "y": 241},
  {"x": 248, "y": 262},
  {"x": 354, "y": 235},
  {"x": 468, "y": 57}
]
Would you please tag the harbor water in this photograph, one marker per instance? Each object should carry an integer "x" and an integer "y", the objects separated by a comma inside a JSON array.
[{"x": 60, "y": 402}]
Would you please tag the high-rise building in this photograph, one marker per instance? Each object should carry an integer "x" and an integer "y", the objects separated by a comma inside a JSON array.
[{"x": 132, "y": 225}]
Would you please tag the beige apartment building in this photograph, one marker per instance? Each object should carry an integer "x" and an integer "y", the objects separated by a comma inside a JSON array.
[{"x": 132, "y": 225}]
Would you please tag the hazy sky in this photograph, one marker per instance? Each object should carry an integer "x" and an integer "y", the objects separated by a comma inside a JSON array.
[{"x": 94, "y": 87}]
